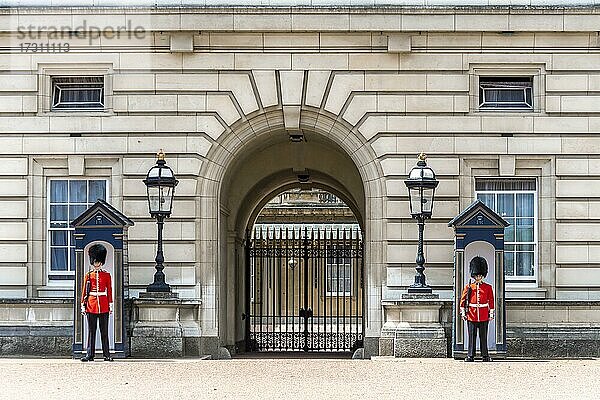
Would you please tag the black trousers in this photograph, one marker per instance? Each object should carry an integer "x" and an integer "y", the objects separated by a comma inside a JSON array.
[
  {"x": 482, "y": 328},
  {"x": 92, "y": 323}
]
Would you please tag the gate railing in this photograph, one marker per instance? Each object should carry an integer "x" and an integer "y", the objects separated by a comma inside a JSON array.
[{"x": 304, "y": 289}]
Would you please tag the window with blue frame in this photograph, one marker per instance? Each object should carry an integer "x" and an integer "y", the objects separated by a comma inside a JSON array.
[
  {"x": 67, "y": 199},
  {"x": 515, "y": 200}
]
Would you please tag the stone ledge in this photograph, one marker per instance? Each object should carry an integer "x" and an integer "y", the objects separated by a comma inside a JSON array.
[
  {"x": 552, "y": 302},
  {"x": 425, "y": 331},
  {"x": 526, "y": 293},
  {"x": 416, "y": 302},
  {"x": 307, "y": 17},
  {"x": 298, "y": 7},
  {"x": 55, "y": 330},
  {"x": 563, "y": 331},
  {"x": 166, "y": 302},
  {"x": 509, "y": 302},
  {"x": 44, "y": 301}
]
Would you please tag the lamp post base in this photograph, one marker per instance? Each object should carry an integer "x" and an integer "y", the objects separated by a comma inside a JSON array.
[
  {"x": 159, "y": 285},
  {"x": 420, "y": 296},
  {"x": 419, "y": 289},
  {"x": 159, "y": 295}
]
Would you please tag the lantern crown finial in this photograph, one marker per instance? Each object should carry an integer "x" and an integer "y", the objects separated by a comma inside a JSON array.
[
  {"x": 422, "y": 156},
  {"x": 161, "y": 155}
]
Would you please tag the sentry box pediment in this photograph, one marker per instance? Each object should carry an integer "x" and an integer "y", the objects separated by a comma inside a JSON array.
[
  {"x": 479, "y": 231},
  {"x": 480, "y": 216},
  {"x": 102, "y": 215},
  {"x": 102, "y": 223}
]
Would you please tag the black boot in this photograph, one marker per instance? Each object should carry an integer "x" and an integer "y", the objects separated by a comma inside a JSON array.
[
  {"x": 487, "y": 359},
  {"x": 87, "y": 358},
  {"x": 109, "y": 358},
  {"x": 469, "y": 359}
]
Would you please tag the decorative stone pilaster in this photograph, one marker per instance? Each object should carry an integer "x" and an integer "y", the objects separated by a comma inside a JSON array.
[{"x": 413, "y": 328}]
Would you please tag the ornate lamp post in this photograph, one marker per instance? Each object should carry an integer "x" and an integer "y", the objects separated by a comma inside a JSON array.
[
  {"x": 160, "y": 183},
  {"x": 421, "y": 184}
]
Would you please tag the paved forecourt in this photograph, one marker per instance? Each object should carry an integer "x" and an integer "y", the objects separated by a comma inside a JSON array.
[{"x": 298, "y": 378}]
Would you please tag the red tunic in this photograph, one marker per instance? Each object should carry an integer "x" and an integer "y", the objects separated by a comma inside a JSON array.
[
  {"x": 100, "y": 294},
  {"x": 480, "y": 303}
]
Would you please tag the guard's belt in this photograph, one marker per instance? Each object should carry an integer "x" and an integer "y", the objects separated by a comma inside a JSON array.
[
  {"x": 479, "y": 305},
  {"x": 98, "y": 293}
]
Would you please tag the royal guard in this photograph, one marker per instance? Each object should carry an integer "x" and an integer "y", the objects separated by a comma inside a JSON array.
[
  {"x": 477, "y": 307},
  {"x": 97, "y": 302}
]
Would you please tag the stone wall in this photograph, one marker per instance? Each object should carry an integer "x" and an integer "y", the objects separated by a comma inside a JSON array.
[
  {"x": 535, "y": 329},
  {"x": 158, "y": 328},
  {"x": 32, "y": 327},
  {"x": 550, "y": 329},
  {"x": 401, "y": 103},
  {"x": 169, "y": 328}
]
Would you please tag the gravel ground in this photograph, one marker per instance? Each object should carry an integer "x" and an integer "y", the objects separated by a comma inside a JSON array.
[{"x": 298, "y": 378}]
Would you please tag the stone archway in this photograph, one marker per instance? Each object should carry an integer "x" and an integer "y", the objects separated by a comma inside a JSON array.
[{"x": 256, "y": 159}]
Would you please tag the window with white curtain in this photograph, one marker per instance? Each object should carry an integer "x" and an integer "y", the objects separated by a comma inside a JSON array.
[
  {"x": 78, "y": 93},
  {"x": 515, "y": 200},
  {"x": 505, "y": 93},
  {"x": 68, "y": 198}
]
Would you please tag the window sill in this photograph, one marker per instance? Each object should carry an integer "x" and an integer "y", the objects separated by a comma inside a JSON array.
[
  {"x": 525, "y": 293},
  {"x": 99, "y": 113},
  {"x": 56, "y": 291},
  {"x": 523, "y": 111}
]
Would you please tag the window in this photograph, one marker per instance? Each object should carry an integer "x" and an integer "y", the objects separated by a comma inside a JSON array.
[
  {"x": 505, "y": 93},
  {"x": 68, "y": 198},
  {"x": 339, "y": 273},
  {"x": 78, "y": 93},
  {"x": 514, "y": 200}
]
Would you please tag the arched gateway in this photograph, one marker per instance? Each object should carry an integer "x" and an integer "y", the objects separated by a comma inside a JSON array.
[
  {"x": 304, "y": 275},
  {"x": 255, "y": 160}
]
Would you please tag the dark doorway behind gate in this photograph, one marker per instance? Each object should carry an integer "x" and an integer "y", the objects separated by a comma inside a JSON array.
[{"x": 305, "y": 282}]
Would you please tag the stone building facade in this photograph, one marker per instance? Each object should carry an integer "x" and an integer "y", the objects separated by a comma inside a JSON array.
[{"x": 248, "y": 102}]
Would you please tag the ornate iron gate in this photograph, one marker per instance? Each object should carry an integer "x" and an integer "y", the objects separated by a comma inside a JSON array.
[{"x": 306, "y": 289}]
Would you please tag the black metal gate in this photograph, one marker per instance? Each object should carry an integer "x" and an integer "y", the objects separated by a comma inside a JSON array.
[{"x": 305, "y": 289}]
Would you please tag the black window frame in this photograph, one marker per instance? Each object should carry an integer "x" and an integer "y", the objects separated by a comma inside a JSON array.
[
  {"x": 94, "y": 84},
  {"x": 516, "y": 84}
]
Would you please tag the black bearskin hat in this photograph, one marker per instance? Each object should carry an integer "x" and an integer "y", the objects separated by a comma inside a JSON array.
[
  {"x": 478, "y": 266},
  {"x": 97, "y": 252}
]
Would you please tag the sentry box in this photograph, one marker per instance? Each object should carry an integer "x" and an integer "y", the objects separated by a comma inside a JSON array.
[
  {"x": 479, "y": 231},
  {"x": 102, "y": 223}
]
